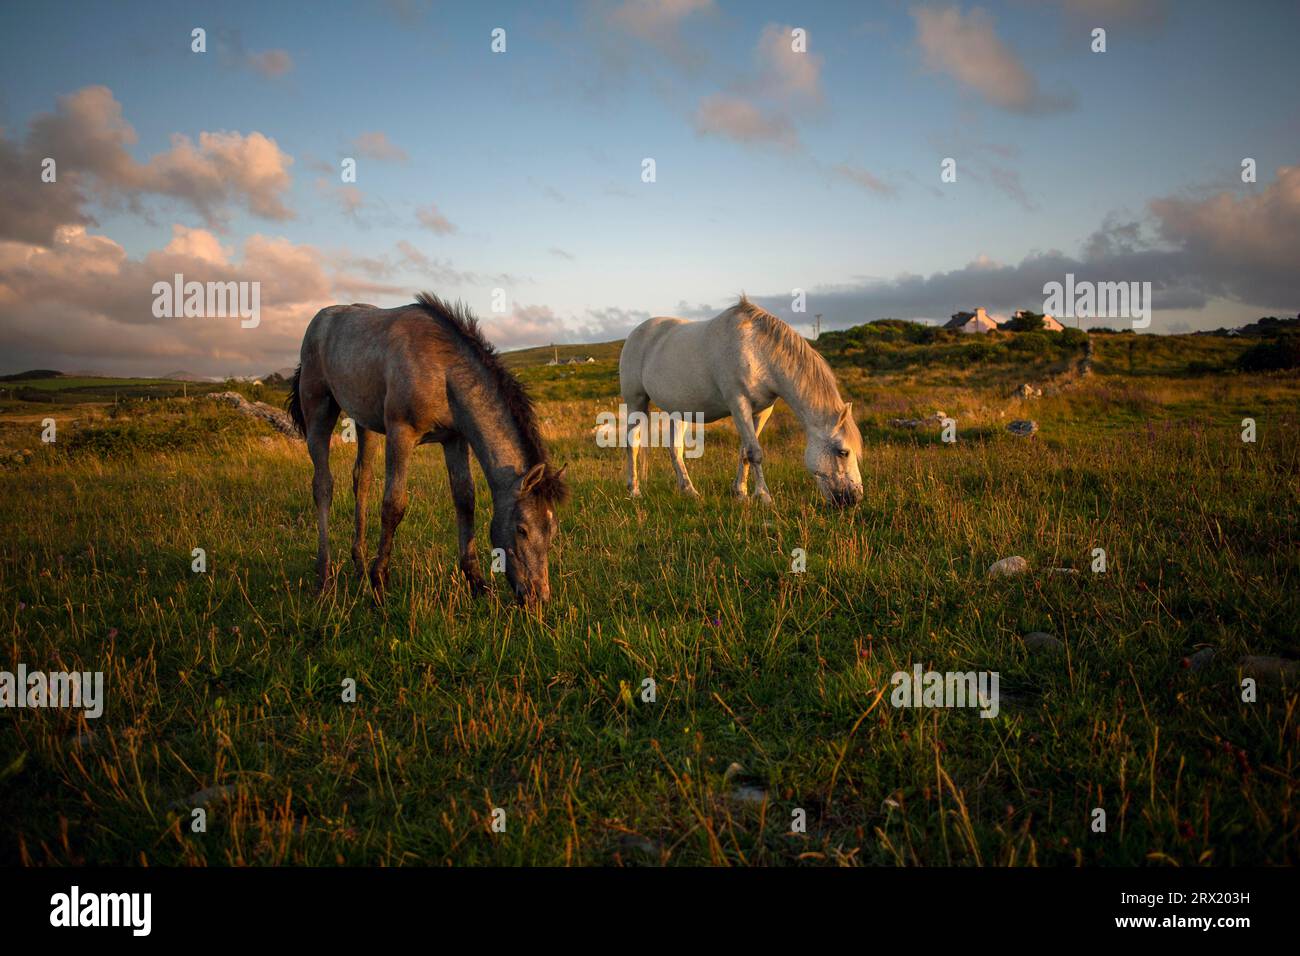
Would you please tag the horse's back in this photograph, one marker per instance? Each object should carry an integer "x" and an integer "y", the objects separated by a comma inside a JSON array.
[
  {"x": 672, "y": 362},
  {"x": 375, "y": 361}
]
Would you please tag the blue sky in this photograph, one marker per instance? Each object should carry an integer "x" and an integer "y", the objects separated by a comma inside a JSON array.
[{"x": 775, "y": 170}]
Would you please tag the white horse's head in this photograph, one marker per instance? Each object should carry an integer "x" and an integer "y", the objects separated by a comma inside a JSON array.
[{"x": 832, "y": 456}]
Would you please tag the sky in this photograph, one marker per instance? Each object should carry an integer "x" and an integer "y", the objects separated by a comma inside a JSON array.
[{"x": 795, "y": 147}]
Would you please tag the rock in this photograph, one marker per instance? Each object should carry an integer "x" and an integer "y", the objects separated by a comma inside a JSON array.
[
  {"x": 1201, "y": 659},
  {"x": 1027, "y": 391},
  {"x": 1063, "y": 570},
  {"x": 632, "y": 841},
  {"x": 1270, "y": 668},
  {"x": 1023, "y": 427},
  {"x": 744, "y": 792},
  {"x": 1041, "y": 641},
  {"x": 267, "y": 413},
  {"x": 1008, "y": 567}
]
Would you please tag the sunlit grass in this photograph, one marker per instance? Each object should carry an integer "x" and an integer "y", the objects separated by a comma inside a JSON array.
[{"x": 232, "y": 678}]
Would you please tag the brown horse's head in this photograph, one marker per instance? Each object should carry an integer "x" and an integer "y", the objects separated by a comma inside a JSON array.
[{"x": 528, "y": 530}]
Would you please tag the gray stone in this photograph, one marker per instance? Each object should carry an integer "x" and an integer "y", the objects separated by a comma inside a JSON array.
[
  {"x": 1008, "y": 567},
  {"x": 1270, "y": 668},
  {"x": 1023, "y": 427},
  {"x": 1042, "y": 641}
]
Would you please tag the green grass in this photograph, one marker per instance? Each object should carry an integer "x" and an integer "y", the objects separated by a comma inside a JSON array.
[{"x": 232, "y": 678}]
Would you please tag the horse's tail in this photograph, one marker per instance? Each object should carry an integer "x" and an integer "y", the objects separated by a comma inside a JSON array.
[{"x": 294, "y": 404}]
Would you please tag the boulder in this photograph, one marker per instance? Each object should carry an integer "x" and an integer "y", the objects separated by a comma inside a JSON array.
[{"x": 1007, "y": 567}]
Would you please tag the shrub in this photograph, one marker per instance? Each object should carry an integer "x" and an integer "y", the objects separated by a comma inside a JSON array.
[{"x": 1280, "y": 353}]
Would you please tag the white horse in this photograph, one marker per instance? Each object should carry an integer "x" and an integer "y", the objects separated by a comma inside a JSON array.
[{"x": 739, "y": 363}]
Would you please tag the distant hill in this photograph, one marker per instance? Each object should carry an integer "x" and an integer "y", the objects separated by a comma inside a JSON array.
[
  {"x": 1266, "y": 327},
  {"x": 600, "y": 351},
  {"x": 34, "y": 373},
  {"x": 188, "y": 377}
]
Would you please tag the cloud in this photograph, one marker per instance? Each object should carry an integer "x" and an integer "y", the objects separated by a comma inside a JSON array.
[
  {"x": 90, "y": 142},
  {"x": 349, "y": 199},
  {"x": 532, "y": 325},
  {"x": 785, "y": 73},
  {"x": 561, "y": 253},
  {"x": 761, "y": 106},
  {"x": 967, "y": 48},
  {"x": 1241, "y": 249},
  {"x": 736, "y": 118},
  {"x": 377, "y": 145},
  {"x": 864, "y": 178},
  {"x": 222, "y": 168},
  {"x": 271, "y": 63},
  {"x": 1145, "y": 15},
  {"x": 432, "y": 219},
  {"x": 657, "y": 22},
  {"x": 83, "y": 301}
]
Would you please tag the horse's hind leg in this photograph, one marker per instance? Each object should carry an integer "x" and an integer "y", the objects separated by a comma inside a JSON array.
[
  {"x": 367, "y": 441},
  {"x": 677, "y": 440},
  {"x": 633, "y": 440},
  {"x": 397, "y": 456},
  {"x": 320, "y": 426}
]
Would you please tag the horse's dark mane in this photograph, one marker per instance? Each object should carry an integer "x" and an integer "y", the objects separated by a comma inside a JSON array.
[{"x": 519, "y": 405}]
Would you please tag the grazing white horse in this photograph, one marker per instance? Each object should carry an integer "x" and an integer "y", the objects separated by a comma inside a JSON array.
[{"x": 739, "y": 363}]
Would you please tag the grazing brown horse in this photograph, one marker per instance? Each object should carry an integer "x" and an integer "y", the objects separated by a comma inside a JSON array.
[{"x": 417, "y": 374}]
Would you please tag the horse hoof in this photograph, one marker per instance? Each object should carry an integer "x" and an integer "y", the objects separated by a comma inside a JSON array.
[
  {"x": 689, "y": 492},
  {"x": 765, "y": 499}
]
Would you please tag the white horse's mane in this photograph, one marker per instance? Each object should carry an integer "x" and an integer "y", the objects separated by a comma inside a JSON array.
[{"x": 790, "y": 351}]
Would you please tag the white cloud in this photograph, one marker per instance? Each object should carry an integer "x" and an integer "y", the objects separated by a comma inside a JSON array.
[{"x": 967, "y": 48}]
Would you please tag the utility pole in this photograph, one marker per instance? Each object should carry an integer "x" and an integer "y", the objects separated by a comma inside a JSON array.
[{"x": 817, "y": 326}]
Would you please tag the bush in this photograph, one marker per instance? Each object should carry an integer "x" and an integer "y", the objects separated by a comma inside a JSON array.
[{"x": 1280, "y": 353}]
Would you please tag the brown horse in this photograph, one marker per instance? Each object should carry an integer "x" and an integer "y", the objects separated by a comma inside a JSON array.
[{"x": 417, "y": 374}]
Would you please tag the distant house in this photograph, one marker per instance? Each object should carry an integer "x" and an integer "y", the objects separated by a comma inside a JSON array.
[
  {"x": 972, "y": 323},
  {"x": 1050, "y": 324}
]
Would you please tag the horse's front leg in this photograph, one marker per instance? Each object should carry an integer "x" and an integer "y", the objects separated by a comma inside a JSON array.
[
  {"x": 367, "y": 441},
  {"x": 741, "y": 487},
  {"x": 742, "y": 413},
  {"x": 320, "y": 426},
  {"x": 398, "y": 444},
  {"x": 456, "y": 452}
]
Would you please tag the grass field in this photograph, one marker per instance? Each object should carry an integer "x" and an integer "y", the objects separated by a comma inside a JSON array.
[{"x": 224, "y": 689}]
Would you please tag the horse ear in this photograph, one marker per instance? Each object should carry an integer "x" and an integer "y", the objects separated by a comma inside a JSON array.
[
  {"x": 559, "y": 474},
  {"x": 846, "y": 415},
  {"x": 531, "y": 478}
]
